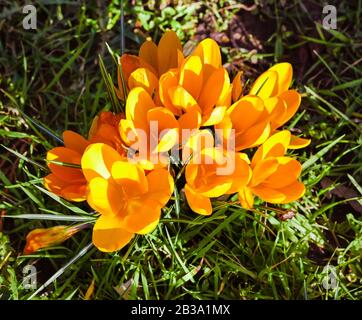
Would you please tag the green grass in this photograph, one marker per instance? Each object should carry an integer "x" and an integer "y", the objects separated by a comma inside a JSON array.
[{"x": 52, "y": 75}]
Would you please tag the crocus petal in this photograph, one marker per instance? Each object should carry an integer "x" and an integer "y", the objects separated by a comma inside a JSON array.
[
  {"x": 287, "y": 172},
  {"x": 164, "y": 129},
  {"x": 211, "y": 90},
  {"x": 167, "y": 53},
  {"x": 138, "y": 103},
  {"x": 237, "y": 87},
  {"x": 191, "y": 76},
  {"x": 167, "y": 81},
  {"x": 128, "y": 132},
  {"x": 65, "y": 155},
  {"x": 292, "y": 101},
  {"x": 190, "y": 120},
  {"x": 286, "y": 194},
  {"x": 242, "y": 173},
  {"x": 148, "y": 53},
  {"x": 109, "y": 234},
  {"x": 141, "y": 214},
  {"x": 77, "y": 192},
  {"x": 97, "y": 161},
  {"x": 181, "y": 99},
  {"x": 74, "y": 192},
  {"x": 293, "y": 191},
  {"x": 253, "y": 137},
  {"x": 277, "y": 110},
  {"x": 225, "y": 95},
  {"x": 246, "y": 112},
  {"x": 263, "y": 170},
  {"x": 108, "y": 134},
  {"x": 215, "y": 190},
  {"x": 198, "y": 203},
  {"x": 104, "y": 196},
  {"x": 266, "y": 85},
  {"x": 198, "y": 141},
  {"x": 269, "y": 195},
  {"x": 209, "y": 52},
  {"x": 298, "y": 143},
  {"x": 285, "y": 74},
  {"x": 215, "y": 117},
  {"x": 152, "y": 226},
  {"x": 160, "y": 186},
  {"x": 74, "y": 141},
  {"x": 274, "y": 146},
  {"x": 144, "y": 78},
  {"x": 129, "y": 63},
  {"x": 130, "y": 177},
  {"x": 246, "y": 198},
  {"x": 168, "y": 140}
]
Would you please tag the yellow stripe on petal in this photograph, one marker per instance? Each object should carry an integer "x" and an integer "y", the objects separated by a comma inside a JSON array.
[
  {"x": 144, "y": 78},
  {"x": 213, "y": 191},
  {"x": 167, "y": 141},
  {"x": 209, "y": 52},
  {"x": 246, "y": 198},
  {"x": 275, "y": 146},
  {"x": 266, "y": 85},
  {"x": 138, "y": 103},
  {"x": 263, "y": 170},
  {"x": 298, "y": 143},
  {"x": 104, "y": 196},
  {"x": 225, "y": 95},
  {"x": 215, "y": 117},
  {"x": 130, "y": 177},
  {"x": 285, "y": 75},
  {"x": 181, "y": 99},
  {"x": 97, "y": 161},
  {"x": 167, "y": 81}
]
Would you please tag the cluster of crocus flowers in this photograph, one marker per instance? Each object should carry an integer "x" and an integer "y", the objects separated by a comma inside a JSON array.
[{"x": 182, "y": 116}]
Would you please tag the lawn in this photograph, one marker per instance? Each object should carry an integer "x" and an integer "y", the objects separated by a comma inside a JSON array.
[{"x": 51, "y": 81}]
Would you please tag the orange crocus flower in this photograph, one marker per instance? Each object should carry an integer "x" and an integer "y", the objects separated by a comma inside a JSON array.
[
  {"x": 247, "y": 122},
  {"x": 152, "y": 61},
  {"x": 66, "y": 178},
  {"x": 212, "y": 172},
  {"x": 149, "y": 130},
  {"x": 274, "y": 176},
  {"x": 273, "y": 87},
  {"x": 200, "y": 85},
  {"x": 128, "y": 200},
  {"x": 43, "y": 238}
]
